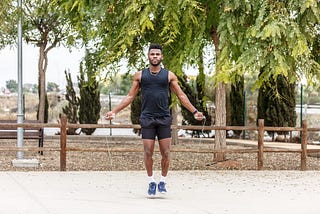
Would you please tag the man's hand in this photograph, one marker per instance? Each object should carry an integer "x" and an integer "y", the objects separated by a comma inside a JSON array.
[
  {"x": 199, "y": 116},
  {"x": 110, "y": 115}
]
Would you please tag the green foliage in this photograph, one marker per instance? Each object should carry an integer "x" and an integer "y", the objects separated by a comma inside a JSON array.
[
  {"x": 279, "y": 37},
  {"x": 12, "y": 85},
  {"x": 237, "y": 104},
  {"x": 125, "y": 28},
  {"x": 89, "y": 112},
  {"x": 52, "y": 87},
  {"x": 8, "y": 23},
  {"x": 43, "y": 25},
  {"x": 276, "y": 103},
  {"x": 72, "y": 108},
  {"x": 35, "y": 89},
  {"x": 136, "y": 112},
  {"x": 274, "y": 36},
  {"x": 118, "y": 85},
  {"x": 192, "y": 93}
]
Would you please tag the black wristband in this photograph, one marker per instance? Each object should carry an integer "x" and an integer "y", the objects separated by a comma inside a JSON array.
[{"x": 195, "y": 111}]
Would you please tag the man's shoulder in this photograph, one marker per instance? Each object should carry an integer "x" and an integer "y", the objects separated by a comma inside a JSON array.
[
  {"x": 171, "y": 74},
  {"x": 137, "y": 75}
]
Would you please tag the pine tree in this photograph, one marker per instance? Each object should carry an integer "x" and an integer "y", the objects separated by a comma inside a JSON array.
[
  {"x": 72, "y": 108},
  {"x": 89, "y": 112}
]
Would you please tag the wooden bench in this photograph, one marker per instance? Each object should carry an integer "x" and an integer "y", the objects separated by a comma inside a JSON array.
[{"x": 30, "y": 133}]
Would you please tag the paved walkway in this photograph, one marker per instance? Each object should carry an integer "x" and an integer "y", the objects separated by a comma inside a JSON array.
[
  {"x": 196, "y": 192},
  {"x": 280, "y": 145}
]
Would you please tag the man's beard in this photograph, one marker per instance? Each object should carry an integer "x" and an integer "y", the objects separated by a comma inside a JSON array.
[{"x": 155, "y": 64}]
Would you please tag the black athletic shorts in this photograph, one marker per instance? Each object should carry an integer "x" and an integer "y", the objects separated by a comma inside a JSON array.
[{"x": 159, "y": 127}]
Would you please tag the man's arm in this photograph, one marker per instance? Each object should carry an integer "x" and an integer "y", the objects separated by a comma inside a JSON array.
[
  {"x": 184, "y": 100},
  {"x": 128, "y": 99}
]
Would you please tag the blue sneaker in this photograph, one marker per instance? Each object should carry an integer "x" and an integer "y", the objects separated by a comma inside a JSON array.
[
  {"x": 162, "y": 187},
  {"x": 152, "y": 188}
]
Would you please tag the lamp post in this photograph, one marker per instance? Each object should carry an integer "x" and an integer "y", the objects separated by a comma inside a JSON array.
[
  {"x": 110, "y": 108},
  {"x": 20, "y": 161},
  {"x": 20, "y": 89}
]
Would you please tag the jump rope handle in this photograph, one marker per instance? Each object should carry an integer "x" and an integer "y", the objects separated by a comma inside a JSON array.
[
  {"x": 110, "y": 117},
  {"x": 203, "y": 117}
]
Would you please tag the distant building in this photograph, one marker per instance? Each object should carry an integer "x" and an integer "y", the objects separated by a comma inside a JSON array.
[{"x": 6, "y": 91}]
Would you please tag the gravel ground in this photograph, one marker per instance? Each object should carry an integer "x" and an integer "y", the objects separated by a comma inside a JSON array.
[{"x": 128, "y": 161}]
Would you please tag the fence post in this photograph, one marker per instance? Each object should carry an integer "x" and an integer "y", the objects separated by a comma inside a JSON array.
[
  {"x": 304, "y": 143},
  {"x": 63, "y": 142},
  {"x": 260, "y": 143}
]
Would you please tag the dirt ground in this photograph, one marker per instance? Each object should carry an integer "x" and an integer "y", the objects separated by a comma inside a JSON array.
[
  {"x": 125, "y": 161},
  {"x": 128, "y": 161}
]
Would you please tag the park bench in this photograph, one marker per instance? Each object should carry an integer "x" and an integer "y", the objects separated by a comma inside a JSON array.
[{"x": 29, "y": 133}]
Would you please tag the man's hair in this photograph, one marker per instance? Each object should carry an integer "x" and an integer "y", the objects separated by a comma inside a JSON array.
[{"x": 155, "y": 46}]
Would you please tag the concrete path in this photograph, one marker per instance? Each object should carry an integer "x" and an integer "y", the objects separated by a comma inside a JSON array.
[{"x": 196, "y": 192}]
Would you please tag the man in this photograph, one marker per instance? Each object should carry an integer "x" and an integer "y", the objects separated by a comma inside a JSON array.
[{"x": 155, "y": 119}]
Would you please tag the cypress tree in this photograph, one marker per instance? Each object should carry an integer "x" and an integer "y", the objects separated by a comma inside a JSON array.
[
  {"x": 89, "y": 112},
  {"x": 276, "y": 103},
  {"x": 136, "y": 111},
  {"x": 72, "y": 108},
  {"x": 197, "y": 100},
  {"x": 237, "y": 104}
]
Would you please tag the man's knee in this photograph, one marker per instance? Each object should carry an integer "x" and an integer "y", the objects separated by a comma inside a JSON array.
[{"x": 148, "y": 153}]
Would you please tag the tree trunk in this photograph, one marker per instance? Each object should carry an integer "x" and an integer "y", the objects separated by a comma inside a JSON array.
[
  {"x": 220, "y": 137},
  {"x": 42, "y": 64},
  {"x": 220, "y": 111}
]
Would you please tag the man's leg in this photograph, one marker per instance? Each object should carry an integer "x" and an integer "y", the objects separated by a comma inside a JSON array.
[
  {"x": 164, "y": 146},
  {"x": 148, "y": 146}
]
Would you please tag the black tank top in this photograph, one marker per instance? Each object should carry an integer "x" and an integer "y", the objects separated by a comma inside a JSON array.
[{"x": 155, "y": 91}]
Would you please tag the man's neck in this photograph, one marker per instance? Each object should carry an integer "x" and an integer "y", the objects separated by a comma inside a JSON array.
[{"x": 154, "y": 69}]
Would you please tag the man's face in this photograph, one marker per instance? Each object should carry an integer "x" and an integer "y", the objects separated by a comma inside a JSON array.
[{"x": 155, "y": 57}]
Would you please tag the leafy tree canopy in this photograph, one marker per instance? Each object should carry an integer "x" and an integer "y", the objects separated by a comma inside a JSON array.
[
  {"x": 12, "y": 85},
  {"x": 52, "y": 87},
  {"x": 276, "y": 36},
  {"x": 122, "y": 29}
]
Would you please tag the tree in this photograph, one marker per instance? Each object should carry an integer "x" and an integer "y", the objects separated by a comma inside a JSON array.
[
  {"x": 7, "y": 32},
  {"x": 52, "y": 87},
  {"x": 247, "y": 36},
  {"x": 125, "y": 29},
  {"x": 45, "y": 27},
  {"x": 136, "y": 112},
  {"x": 277, "y": 108},
  {"x": 188, "y": 117},
  {"x": 71, "y": 110},
  {"x": 237, "y": 104},
  {"x": 12, "y": 85},
  {"x": 277, "y": 38},
  {"x": 118, "y": 84},
  {"x": 89, "y": 112}
]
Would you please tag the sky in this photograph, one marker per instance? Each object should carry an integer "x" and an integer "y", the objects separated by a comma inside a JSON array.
[{"x": 59, "y": 60}]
